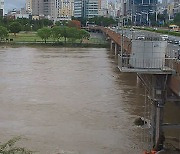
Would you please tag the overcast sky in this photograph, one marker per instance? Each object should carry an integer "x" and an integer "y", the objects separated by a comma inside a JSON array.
[{"x": 11, "y": 4}]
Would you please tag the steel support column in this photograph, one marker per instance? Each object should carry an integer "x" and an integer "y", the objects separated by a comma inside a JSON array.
[
  {"x": 158, "y": 97},
  {"x": 111, "y": 46}
]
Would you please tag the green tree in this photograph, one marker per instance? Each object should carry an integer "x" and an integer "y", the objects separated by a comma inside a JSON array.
[
  {"x": 73, "y": 34},
  {"x": 177, "y": 19},
  {"x": 56, "y": 32},
  {"x": 65, "y": 33},
  {"x": 44, "y": 33},
  {"x": 3, "y": 32},
  {"x": 83, "y": 34},
  {"x": 102, "y": 21},
  {"x": 15, "y": 27}
]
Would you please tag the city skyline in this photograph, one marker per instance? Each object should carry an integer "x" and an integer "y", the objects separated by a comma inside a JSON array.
[{"x": 9, "y": 4}]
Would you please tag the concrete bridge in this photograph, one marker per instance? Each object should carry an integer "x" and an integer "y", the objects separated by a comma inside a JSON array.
[
  {"x": 162, "y": 86},
  {"x": 116, "y": 41}
]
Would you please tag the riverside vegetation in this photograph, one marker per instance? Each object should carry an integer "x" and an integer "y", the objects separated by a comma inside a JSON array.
[
  {"x": 38, "y": 31},
  {"x": 10, "y": 148}
]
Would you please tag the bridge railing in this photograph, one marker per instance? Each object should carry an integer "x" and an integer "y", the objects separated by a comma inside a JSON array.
[{"x": 126, "y": 63}]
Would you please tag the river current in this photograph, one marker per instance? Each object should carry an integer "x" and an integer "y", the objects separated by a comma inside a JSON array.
[{"x": 69, "y": 101}]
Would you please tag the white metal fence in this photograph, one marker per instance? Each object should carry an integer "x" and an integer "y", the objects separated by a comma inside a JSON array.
[{"x": 126, "y": 62}]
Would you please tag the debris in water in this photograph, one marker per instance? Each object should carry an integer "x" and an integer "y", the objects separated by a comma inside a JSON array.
[{"x": 140, "y": 121}]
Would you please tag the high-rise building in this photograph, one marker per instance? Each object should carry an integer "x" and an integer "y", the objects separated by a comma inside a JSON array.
[
  {"x": 164, "y": 3},
  {"x": 139, "y": 10},
  {"x": 64, "y": 9},
  {"x": 44, "y": 8},
  {"x": 37, "y": 7},
  {"x": 86, "y": 8},
  {"x": 29, "y": 6},
  {"x": 92, "y": 8},
  {"x": 79, "y": 8},
  {"x": 1, "y": 8},
  {"x": 176, "y": 6},
  {"x": 49, "y": 9}
]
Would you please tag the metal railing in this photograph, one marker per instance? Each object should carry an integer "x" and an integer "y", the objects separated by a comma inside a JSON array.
[{"x": 126, "y": 62}]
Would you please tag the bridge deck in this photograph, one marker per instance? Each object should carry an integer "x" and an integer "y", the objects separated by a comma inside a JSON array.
[{"x": 174, "y": 83}]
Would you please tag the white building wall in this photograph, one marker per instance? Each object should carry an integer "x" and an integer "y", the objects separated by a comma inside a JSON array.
[
  {"x": 64, "y": 9},
  {"x": 2, "y": 6},
  {"x": 29, "y": 6}
]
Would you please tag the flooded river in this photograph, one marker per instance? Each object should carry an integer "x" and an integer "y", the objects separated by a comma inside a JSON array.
[{"x": 68, "y": 101}]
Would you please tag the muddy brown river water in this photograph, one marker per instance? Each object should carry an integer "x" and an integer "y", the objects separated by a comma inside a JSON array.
[{"x": 68, "y": 101}]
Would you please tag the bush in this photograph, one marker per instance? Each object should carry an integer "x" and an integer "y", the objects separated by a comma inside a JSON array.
[{"x": 10, "y": 148}]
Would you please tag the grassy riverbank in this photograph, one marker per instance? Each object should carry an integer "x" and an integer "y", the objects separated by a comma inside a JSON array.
[
  {"x": 31, "y": 37},
  {"x": 32, "y": 40},
  {"x": 161, "y": 31}
]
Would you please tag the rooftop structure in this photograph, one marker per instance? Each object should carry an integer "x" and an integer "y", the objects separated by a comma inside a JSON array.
[{"x": 147, "y": 56}]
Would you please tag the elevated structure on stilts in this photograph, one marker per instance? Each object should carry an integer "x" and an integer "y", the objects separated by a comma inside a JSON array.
[{"x": 149, "y": 61}]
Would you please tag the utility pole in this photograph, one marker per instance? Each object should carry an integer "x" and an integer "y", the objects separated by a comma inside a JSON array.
[{"x": 122, "y": 24}]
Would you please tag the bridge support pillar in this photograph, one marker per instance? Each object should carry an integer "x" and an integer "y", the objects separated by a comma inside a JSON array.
[
  {"x": 112, "y": 42},
  {"x": 116, "y": 49},
  {"x": 156, "y": 90},
  {"x": 158, "y": 98}
]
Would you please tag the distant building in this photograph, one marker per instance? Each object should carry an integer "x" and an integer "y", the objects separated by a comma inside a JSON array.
[
  {"x": 139, "y": 10},
  {"x": 20, "y": 16},
  {"x": 44, "y": 8},
  {"x": 1, "y": 8},
  {"x": 176, "y": 6},
  {"x": 86, "y": 8},
  {"x": 170, "y": 10},
  {"x": 92, "y": 8},
  {"x": 37, "y": 7},
  {"x": 64, "y": 9},
  {"x": 29, "y": 6},
  {"x": 79, "y": 8}
]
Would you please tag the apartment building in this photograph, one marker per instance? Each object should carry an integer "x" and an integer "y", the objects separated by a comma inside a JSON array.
[
  {"x": 1, "y": 8},
  {"x": 37, "y": 7},
  {"x": 86, "y": 8},
  {"x": 139, "y": 10},
  {"x": 176, "y": 6},
  {"x": 64, "y": 9},
  {"x": 44, "y": 8},
  {"x": 29, "y": 6}
]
